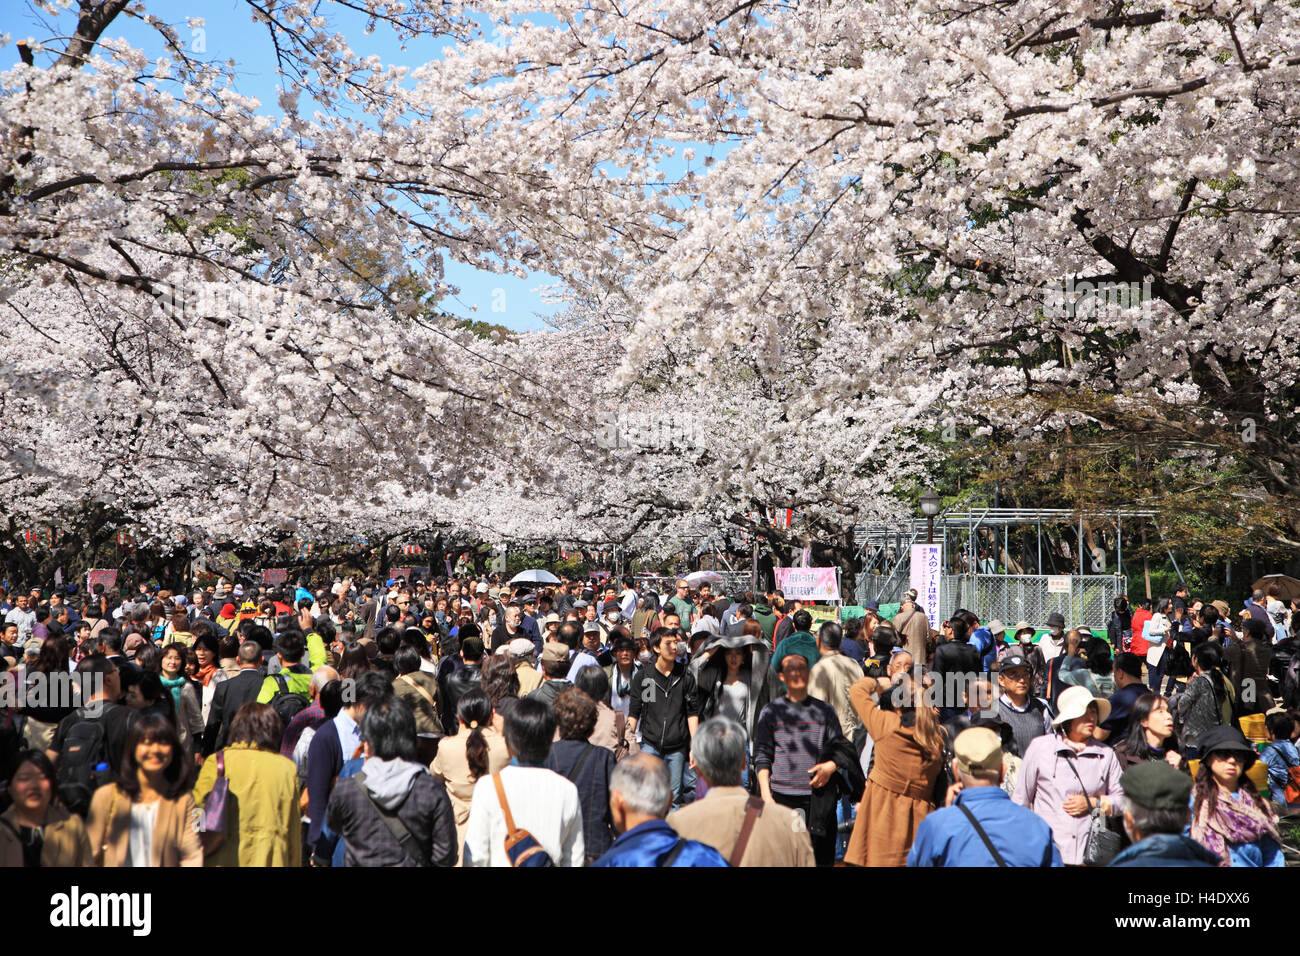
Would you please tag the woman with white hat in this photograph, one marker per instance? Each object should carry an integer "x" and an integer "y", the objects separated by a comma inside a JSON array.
[{"x": 1068, "y": 776}]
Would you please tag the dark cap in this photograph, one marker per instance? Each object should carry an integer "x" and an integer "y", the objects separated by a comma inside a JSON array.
[
  {"x": 1155, "y": 785},
  {"x": 1226, "y": 740},
  {"x": 871, "y": 606},
  {"x": 1013, "y": 659}
]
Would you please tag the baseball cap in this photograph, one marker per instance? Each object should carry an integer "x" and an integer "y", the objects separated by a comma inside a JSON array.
[
  {"x": 591, "y": 627},
  {"x": 978, "y": 750},
  {"x": 1155, "y": 785},
  {"x": 482, "y": 588},
  {"x": 1013, "y": 660},
  {"x": 553, "y": 651}
]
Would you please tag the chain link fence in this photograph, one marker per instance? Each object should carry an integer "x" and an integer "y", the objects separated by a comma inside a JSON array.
[{"x": 1010, "y": 598}]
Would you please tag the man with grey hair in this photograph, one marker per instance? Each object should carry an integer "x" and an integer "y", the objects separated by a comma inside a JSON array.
[
  {"x": 744, "y": 829},
  {"x": 640, "y": 792}
]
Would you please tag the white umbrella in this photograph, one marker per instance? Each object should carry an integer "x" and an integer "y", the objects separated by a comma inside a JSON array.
[
  {"x": 535, "y": 576},
  {"x": 696, "y": 578}
]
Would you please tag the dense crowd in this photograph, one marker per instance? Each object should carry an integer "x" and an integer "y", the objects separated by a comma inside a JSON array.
[{"x": 462, "y": 721}]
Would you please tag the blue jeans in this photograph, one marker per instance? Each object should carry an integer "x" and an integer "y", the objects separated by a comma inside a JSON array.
[
  {"x": 679, "y": 771},
  {"x": 1155, "y": 674}
]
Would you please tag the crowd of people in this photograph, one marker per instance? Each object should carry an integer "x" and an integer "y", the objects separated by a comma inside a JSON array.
[{"x": 465, "y": 722}]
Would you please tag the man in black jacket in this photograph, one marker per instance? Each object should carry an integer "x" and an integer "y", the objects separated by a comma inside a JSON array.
[
  {"x": 232, "y": 694},
  {"x": 455, "y": 685},
  {"x": 665, "y": 705},
  {"x": 956, "y": 663}
]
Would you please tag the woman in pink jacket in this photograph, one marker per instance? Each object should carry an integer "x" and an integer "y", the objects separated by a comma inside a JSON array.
[{"x": 1067, "y": 775}]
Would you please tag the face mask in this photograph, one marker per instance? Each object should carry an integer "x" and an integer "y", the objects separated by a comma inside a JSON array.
[
  {"x": 645, "y": 657},
  {"x": 612, "y": 617}
]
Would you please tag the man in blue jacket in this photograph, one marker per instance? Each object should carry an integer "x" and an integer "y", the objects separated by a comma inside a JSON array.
[
  {"x": 640, "y": 791},
  {"x": 1157, "y": 796},
  {"x": 982, "y": 827}
]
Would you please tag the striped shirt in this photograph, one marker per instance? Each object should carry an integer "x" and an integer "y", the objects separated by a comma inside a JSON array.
[{"x": 789, "y": 740}]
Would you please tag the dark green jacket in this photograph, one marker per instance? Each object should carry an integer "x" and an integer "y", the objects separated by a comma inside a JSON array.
[
  {"x": 765, "y": 616},
  {"x": 800, "y": 642}
]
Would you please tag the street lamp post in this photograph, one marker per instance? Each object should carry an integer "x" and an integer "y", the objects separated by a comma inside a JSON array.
[{"x": 929, "y": 508}]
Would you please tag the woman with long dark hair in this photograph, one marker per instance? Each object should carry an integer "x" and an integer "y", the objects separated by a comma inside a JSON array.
[
  {"x": 354, "y": 661},
  {"x": 50, "y": 682},
  {"x": 36, "y": 830},
  {"x": 1229, "y": 817},
  {"x": 474, "y": 751},
  {"x": 1150, "y": 734},
  {"x": 148, "y": 817}
]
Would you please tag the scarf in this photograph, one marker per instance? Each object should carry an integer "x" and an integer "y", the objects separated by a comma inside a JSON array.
[
  {"x": 204, "y": 674},
  {"x": 1234, "y": 822},
  {"x": 173, "y": 684}
]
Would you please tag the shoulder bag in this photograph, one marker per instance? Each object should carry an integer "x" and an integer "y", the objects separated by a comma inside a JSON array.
[{"x": 1103, "y": 843}]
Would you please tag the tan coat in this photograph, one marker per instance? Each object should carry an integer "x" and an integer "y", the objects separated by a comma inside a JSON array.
[
  {"x": 830, "y": 680},
  {"x": 175, "y": 833},
  {"x": 914, "y": 626},
  {"x": 606, "y": 732},
  {"x": 451, "y": 766},
  {"x": 262, "y": 810},
  {"x": 529, "y": 679},
  {"x": 66, "y": 843},
  {"x": 899, "y": 787},
  {"x": 779, "y": 837}
]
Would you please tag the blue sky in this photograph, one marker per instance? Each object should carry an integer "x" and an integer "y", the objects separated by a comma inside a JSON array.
[{"x": 230, "y": 34}]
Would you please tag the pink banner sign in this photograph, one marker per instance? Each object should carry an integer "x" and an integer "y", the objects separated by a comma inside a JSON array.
[
  {"x": 275, "y": 576},
  {"x": 104, "y": 576},
  {"x": 808, "y": 584}
]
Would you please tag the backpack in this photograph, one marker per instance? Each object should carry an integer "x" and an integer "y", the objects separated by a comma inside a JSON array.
[
  {"x": 287, "y": 703},
  {"x": 83, "y": 764}
]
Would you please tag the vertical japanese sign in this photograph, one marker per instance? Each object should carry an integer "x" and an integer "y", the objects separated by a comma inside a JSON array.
[{"x": 927, "y": 579}]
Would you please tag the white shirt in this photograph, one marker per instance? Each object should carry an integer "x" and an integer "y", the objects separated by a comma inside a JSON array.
[
  {"x": 629, "y": 603},
  {"x": 349, "y": 734},
  {"x": 541, "y": 802},
  {"x": 26, "y": 620},
  {"x": 139, "y": 845}
]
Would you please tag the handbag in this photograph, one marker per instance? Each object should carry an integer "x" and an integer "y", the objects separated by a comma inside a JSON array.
[
  {"x": 1103, "y": 843},
  {"x": 212, "y": 821},
  {"x": 522, "y": 847}
]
